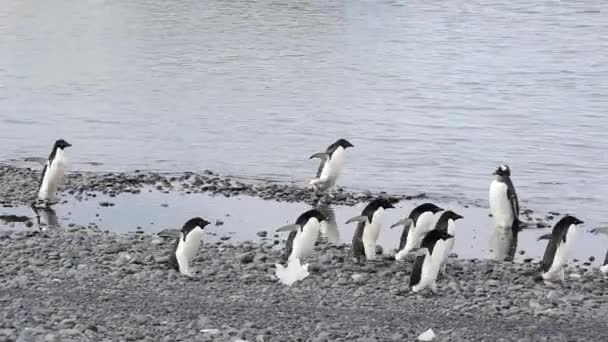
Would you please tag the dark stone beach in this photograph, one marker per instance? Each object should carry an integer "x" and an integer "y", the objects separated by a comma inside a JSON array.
[{"x": 82, "y": 284}]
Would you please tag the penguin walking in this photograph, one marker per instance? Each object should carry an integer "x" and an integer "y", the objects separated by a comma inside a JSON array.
[
  {"x": 303, "y": 234},
  {"x": 430, "y": 258},
  {"x": 187, "y": 245},
  {"x": 447, "y": 224},
  {"x": 332, "y": 162},
  {"x": 504, "y": 204},
  {"x": 417, "y": 225},
  {"x": 369, "y": 227},
  {"x": 52, "y": 174},
  {"x": 560, "y": 243}
]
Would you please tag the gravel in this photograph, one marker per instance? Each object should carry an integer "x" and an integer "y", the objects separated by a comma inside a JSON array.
[{"x": 93, "y": 286}]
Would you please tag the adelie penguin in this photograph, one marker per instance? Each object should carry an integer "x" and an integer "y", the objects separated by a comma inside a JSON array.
[
  {"x": 560, "y": 243},
  {"x": 429, "y": 260},
  {"x": 187, "y": 245},
  {"x": 52, "y": 174},
  {"x": 504, "y": 204},
  {"x": 369, "y": 227},
  {"x": 417, "y": 225},
  {"x": 303, "y": 234},
  {"x": 447, "y": 224},
  {"x": 332, "y": 162}
]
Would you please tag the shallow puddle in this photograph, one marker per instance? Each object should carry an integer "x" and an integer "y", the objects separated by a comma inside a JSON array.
[{"x": 241, "y": 218}]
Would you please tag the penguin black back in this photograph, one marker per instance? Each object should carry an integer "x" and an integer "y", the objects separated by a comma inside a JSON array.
[
  {"x": 419, "y": 210},
  {"x": 428, "y": 242},
  {"x": 442, "y": 223},
  {"x": 558, "y": 235}
]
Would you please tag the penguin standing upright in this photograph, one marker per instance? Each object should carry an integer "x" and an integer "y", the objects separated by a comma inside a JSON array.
[
  {"x": 52, "y": 174},
  {"x": 418, "y": 224},
  {"x": 560, "y": 243},
  {"x": 187, "y": 245},
  {"x": 504, "y": 204},
  {"x": 447, "y": 224},
  {"x": 429, "y": 260},
  {"x": 332, "y": 161},
  {"x": 303, "y": 234},
  {"x": 369, "y": 227}
]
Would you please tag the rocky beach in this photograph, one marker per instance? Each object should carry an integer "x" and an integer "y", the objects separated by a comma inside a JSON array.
[{"x": 83, "y": 284}]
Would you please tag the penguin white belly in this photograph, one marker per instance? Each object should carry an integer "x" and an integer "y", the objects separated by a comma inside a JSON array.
[
  {"x": 186, "y": 250},
  {"x": 304, "y": 242},
  {"x": 416, "y": 234},
  {"x": 444, "y": 249},
  {"x": 371, "y": 234},
  {"x": 53, "y": 178},
  {"x": 604, "y": 269},
  {"x": 500, "y": 205},
  {"x": 333, "y": 166},
  {"x": 500, "y": 243},
  {"x": 561, "y": 254}
]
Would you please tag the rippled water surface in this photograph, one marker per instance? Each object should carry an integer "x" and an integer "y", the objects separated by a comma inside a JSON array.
[{"x": 433, "y": 94}]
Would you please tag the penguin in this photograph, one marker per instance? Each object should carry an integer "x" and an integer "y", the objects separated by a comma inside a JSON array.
[
  {"x": 417, "y": 224},
  {"x": 604, "y": 268},
  {"x": 369, "y": 227},
  {"x": 430, "y": 257},
  {"x": 332, "y": 161},
  {"x": 303, "y": 234},
  {"x": 504, "y": 204},
  {"x": 52, "y": 174},
  {"x": 187, "y": 245},
  {"x": 560, "y": 243},
  {"x": 446, "y": 224}
]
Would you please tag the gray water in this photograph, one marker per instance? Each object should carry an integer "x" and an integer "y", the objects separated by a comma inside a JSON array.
[
  {"x": 433, "y": 94},
  {"x": 243, "y": 217}
]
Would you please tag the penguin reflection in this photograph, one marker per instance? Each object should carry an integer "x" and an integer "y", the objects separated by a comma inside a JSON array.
[
  {"x": 46, "y": 218},
  {"x": 329, "y": 228},
  {"x": 503, "y": 244}
]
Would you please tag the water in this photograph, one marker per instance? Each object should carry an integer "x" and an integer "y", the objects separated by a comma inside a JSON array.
[
  {"x": 243, "y": 217},
  {"x": 433, "y": 94}
]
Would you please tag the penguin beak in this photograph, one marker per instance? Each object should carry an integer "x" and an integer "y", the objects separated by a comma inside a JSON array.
[
  {"x": 407, "y": 222},
  {"x": 348, "y": 144},
  {"x": 289, "y": 228},
  {"x": 458, "y": 217},
  {"x": 579, "y": 221},
  {"x": 358, "y": 219}
]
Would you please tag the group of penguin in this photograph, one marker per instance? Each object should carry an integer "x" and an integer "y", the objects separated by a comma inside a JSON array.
[{"x": 425, "y": 238}]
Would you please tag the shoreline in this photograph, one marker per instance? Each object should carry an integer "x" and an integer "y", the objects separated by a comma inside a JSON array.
[{"x": 62, "y": 286}]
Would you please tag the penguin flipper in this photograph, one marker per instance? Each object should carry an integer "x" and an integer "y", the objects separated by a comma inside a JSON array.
[
  {"x": 403, "y": 239},
  {"x": 358, "y": 248},
  {"x": 417, "y": 271},
  {"x": 173, "y": 258},
  {"x": 289, "y": 245}
]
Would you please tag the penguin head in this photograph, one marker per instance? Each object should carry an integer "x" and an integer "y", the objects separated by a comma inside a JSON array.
[
  {"x": 193, "y": 223},
  {"x": 343, "y": 143},
  {"x": 451, "y": 215},
  {"x": 62, "y": 144},
  {"x": 569, "y": 220},
  {"x": 503, "y": 170},
  {"x": 312, "y": 213}
]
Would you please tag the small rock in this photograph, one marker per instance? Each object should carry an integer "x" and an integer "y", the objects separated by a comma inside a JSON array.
[
  {"x": 359, "y": 277},
  {"x": 246, "y": 257},
  {"x": 428, "y": 335},
  {"x": 219, "y": 222},
  {"x": 262, "y": 233}
]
